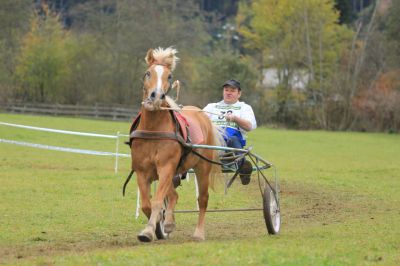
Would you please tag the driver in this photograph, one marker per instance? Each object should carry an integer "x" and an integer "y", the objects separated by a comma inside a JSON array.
[{"x": 236, "y": 118}]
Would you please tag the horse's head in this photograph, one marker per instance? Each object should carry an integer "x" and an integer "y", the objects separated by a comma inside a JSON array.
[{"x": 157, "y": 81}]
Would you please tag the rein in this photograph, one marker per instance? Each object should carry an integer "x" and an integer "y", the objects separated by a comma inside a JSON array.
[
  {"x": 163, "y": 135},
  {"x": 180, "y": 109},
  {"x": 166, "y": 135}
]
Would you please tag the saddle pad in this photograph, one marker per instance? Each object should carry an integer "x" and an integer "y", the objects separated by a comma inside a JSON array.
[
  {"x": 195, "y": 133},
  {"x": 183, "y": 124}
]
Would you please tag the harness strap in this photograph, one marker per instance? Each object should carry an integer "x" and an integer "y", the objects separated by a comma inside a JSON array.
[
  {"x": 144, "y": 134},
  {"x": 166, "y": 135}
]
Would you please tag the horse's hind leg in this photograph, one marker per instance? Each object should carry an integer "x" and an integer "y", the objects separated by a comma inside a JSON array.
[
  {"x": 202, "y": 174},
  {"x": 169, "y": 224}
]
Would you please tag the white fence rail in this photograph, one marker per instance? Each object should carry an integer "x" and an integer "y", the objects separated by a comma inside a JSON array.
[
  {"x": 116, "y": 154},
  {"x": 80, "y": 151},
  {"x": 65, "y": 149}
]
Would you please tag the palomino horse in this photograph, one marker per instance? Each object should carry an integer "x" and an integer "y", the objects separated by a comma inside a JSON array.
[{"x": 158, "y": 155}]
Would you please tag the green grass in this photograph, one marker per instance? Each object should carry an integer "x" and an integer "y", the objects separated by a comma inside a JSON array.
[{"x": 340, "y": 202}]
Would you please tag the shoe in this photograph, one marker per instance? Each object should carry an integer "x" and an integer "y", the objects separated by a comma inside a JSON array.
[
  {"x": 183, "y": 176},
  {"x": 176, "y": 180},
  {"x": 245, "y": 171}
]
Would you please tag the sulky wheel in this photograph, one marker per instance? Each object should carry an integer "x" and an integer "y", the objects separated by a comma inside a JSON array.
[
  {"x": 160, "y": 232},
  {"x": 272, "y": 215}
]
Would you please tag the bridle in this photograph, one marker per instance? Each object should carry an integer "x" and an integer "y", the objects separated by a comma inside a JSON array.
[
  {"x": 169, "y": 78},
  {"x": 171, "y": 85}
]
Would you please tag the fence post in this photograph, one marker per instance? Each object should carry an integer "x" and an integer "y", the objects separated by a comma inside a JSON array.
[
  {"x": 197, "y": 191},
  {"x": 114, "y": 113},
  {"x": 96, "y": 111},
  {"x": 137, "y": 203},
  {"x": 116, "y": 154}
]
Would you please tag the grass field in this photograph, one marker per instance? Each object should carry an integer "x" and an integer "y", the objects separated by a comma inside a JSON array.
[{"x": 340, "y": 202}]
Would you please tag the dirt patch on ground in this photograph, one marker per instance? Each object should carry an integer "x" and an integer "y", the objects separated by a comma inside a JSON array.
[
  {"x": 312, "y": 204},
  {"x": 300, "y": 204}
]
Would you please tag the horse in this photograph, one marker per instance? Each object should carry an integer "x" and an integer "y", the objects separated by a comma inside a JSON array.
[{"x": 157, "y": 154}]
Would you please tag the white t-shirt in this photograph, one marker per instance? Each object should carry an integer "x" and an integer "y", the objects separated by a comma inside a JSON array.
[{"x": 239, "y": 109}]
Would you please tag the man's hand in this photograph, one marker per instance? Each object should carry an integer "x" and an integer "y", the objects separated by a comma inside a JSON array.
[
  {"x": 242, "y": 123},
  {"x": 230, "y": 117}
]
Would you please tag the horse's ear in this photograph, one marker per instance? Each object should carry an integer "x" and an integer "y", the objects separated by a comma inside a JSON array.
[{"x": 149, "y": 57}]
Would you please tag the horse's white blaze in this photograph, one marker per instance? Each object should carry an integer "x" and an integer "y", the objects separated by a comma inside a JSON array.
[{"x": 159, "y": 70}]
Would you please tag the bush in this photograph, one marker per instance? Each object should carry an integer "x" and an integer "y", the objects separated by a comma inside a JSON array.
[{"x": 378, "y": 109}]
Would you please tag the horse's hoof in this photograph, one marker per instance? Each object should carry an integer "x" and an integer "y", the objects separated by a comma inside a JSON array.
[
  {"x": 145, "y": 237},
  {"x": 198, "y": 238},
  {"x": 169, "y": 227}
]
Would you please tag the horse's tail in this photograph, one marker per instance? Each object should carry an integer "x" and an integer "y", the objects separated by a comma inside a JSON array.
[{"x": 217, "y": 140}]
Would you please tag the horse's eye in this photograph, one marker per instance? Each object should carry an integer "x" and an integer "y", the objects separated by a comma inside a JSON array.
[
  {"x": 169, "y": 77},
  {"x": 147, "y": 74}
]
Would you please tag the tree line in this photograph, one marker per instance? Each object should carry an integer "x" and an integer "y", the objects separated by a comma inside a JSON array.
[{"x": 346, "y": 54}]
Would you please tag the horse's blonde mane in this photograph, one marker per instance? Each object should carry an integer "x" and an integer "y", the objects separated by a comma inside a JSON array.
[{"x": 166, "y": 56}]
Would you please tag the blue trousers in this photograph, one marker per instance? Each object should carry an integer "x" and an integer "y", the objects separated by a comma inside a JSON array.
[{"x": 234, "y": 142}]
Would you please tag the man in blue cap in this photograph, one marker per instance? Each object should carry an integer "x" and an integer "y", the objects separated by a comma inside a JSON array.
[{"x": 236, "y": 118}]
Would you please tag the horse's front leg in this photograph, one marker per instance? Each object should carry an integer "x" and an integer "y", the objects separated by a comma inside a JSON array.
[
  {"x": 165, "y": 174},
  {"x": 144, "y": 188}
]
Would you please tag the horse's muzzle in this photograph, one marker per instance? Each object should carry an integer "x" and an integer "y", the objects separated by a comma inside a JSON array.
[
  {"x": 154, "y": 101},
  {"x": 157, "y": 95}
]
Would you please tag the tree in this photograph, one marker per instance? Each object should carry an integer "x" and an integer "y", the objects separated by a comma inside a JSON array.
[
  {"x": 123, "y": 32},
  {"x": 42, "y": 67},
  {"x": 293, "y": 36},
  {"x": 347, "y": 13},
  {"x": 392, "y": 33},
  {"x": 219, "y": 67},
  {"x": 377, "y": 94},
  {"x": 14, "y": 22}
]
